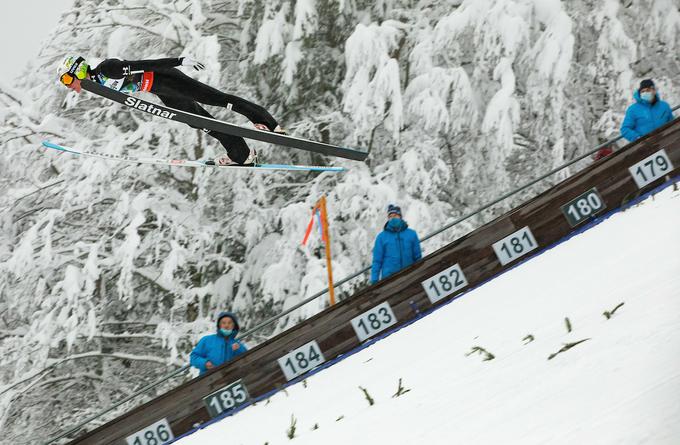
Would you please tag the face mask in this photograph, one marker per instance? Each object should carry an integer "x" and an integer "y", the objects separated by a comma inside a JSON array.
[
  {"x": 394, "y": 223},
  {"x": 226, "y": 332},
  {"x": 647, "y": 96}
]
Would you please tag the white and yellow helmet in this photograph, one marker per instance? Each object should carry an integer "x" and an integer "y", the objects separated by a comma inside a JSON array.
[{"x": 72, "y": 67}]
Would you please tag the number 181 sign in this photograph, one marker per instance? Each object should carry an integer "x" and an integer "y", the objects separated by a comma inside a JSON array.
[{"x": 515, "y": 246}]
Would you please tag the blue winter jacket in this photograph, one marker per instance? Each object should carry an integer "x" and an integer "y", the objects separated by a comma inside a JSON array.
[
  {"x": 395, "y": 248},
  {"x": 643, "y": 117},
  {"x": 216, "y": 348}
]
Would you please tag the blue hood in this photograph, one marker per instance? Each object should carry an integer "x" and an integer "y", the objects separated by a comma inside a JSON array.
[
  {"x": 643, "y": 117},
  {"x": 396, "y": 225},
  {"x": 638, "y": 99},
  {"x": 233, "y": 317},
  {"x": 216, "y": 349}
]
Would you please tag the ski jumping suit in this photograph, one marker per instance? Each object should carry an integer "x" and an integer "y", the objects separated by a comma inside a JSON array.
[{"x": 177, "y": 90}]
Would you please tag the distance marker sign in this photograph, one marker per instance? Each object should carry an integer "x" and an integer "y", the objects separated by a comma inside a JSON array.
[
  {"x": 583, "y": 207},
  {"x": 445, "y": 283},
  {"x": 374, "y": 320},
  {"x": 651, "y": 168},
  {"x": 515, "y": 246},
  {"x": 229, "y": 397},
  {"x": 155, "y": 434},
  {"x": 301, "y": 360}
]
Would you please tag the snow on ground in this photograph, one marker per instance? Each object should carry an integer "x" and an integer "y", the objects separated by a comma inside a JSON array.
[{"x": 621, "y": 386}]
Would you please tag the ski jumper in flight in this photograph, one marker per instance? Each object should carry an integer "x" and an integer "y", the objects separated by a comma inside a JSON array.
[{"x": 177, "y": 90}]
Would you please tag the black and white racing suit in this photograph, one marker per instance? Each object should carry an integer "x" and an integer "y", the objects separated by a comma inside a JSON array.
[{"x": 177, "y": 90}]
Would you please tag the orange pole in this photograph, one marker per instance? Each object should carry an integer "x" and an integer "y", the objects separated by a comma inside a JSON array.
[{"x": 327, "y": 238}]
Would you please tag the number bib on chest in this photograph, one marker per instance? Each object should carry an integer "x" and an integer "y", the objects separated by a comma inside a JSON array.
[{"x": 124, "y": 84}]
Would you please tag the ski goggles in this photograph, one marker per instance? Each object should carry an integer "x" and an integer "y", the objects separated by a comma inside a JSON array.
[{"x": 69, "y": 77}]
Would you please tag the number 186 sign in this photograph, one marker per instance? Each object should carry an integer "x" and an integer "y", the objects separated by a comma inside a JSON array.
[{"x": 155, "y": 434}]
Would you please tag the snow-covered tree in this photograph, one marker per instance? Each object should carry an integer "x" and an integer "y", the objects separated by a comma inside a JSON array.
[{"x": 110, "y": 273}]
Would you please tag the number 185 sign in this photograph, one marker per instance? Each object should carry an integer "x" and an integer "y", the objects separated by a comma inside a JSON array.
[{"x": 226, "y": 398}]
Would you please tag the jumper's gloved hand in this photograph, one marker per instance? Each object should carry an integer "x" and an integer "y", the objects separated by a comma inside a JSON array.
[{"x": 186, "y": 61}]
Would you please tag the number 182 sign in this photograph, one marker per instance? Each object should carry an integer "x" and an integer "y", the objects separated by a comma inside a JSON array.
[{"x": 444, "y": 283}]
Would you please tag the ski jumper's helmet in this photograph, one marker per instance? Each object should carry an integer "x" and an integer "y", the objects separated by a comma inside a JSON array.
[{"x": 71, "y": 68}]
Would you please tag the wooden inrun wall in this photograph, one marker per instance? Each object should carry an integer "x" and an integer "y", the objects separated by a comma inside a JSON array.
[{"x": 259, "y": 369}]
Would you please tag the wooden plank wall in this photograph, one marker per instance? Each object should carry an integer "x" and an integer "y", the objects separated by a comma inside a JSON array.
[{"x": 259, "y": 370}]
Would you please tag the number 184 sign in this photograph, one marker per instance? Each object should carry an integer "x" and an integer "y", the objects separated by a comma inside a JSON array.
[{"x": 301, "y": 360}]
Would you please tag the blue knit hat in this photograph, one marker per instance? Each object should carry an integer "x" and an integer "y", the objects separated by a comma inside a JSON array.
[{"x": 393, "y": 209}]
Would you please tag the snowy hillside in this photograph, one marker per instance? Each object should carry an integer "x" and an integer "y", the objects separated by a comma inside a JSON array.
[
  {"x": 621, "y": 385},
  {"x": 110, "y": 273}
]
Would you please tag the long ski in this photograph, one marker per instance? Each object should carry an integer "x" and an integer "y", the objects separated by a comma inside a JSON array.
[
  {"x": 189, "y": 162},
  {"x": 223, "y": 127}
]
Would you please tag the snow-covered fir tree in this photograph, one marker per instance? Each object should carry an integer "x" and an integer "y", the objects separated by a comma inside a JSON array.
[{"x": 109, "y": 273}]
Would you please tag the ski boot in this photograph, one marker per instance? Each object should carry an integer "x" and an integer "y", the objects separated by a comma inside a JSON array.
[
  {"x": 224, "y": 159},
  {"x": 277, "y": 130}
]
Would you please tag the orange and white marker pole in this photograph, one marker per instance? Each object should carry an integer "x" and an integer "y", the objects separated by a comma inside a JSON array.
[{"x": 321, "y": 210}]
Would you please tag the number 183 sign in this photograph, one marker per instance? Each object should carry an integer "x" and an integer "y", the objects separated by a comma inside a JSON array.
[{"x": 373, "y": 321}]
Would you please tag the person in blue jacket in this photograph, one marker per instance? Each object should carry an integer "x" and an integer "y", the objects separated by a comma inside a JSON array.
[
  {"x": 396, "y": 247},
  {"x": 213, "y": 350},
  {"x": 647, "y": 114}
]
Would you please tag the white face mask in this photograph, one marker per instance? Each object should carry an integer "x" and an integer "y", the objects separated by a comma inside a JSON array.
[{"x": 647, "y": 96}]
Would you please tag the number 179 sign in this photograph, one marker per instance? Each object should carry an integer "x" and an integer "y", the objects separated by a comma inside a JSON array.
[{"x": 651, "y": 168}]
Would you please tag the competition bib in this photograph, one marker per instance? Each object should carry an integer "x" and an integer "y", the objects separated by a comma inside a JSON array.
[{"x": 119, "y": 84}]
